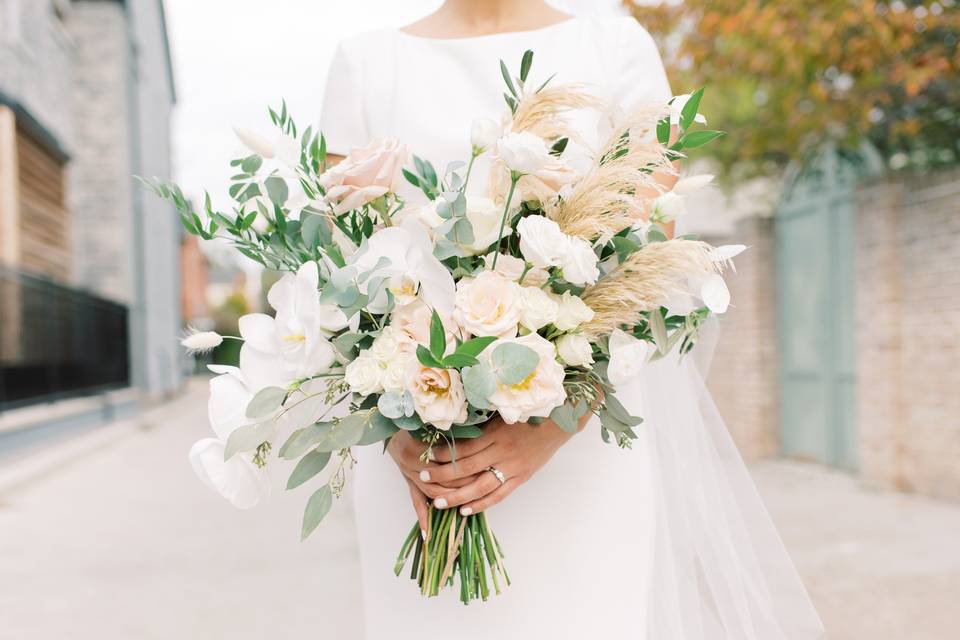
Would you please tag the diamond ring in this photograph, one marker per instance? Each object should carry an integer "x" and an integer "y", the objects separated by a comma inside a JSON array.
[{"x": 498, "y": 474}]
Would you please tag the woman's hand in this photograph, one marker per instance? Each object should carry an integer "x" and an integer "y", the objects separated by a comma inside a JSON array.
[
  {"x": 406, "y": 451},
  {"x": 516, "y": 450}
]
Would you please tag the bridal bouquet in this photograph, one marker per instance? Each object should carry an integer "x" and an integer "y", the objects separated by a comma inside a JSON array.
[{"x": 533, "y": 302}]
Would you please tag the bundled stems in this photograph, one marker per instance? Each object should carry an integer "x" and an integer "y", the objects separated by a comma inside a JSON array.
[{"x": 455, "y": 545}]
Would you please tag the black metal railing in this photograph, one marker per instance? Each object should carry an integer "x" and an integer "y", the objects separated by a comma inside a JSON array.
[{"x": 57, "y": 342}]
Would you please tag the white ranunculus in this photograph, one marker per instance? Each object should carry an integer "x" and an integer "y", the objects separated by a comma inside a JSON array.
[
  {"x": 669, "y": 206},
  {"x": 540, "y": 393},
  {"x": 395, "y": 375},
  {"x": 542, "y": 243},
  {"x": 364, "y": 375},
  {"x": 389, "y": 344},
  {"x": 579, "y": 263},
  {"x": 483, "y": 134},
  {"x": 676, "y": 108},
  {"x": 628, "y": 357},
  {"x": 523, "y": 152},
  {"x": 512, "y": 268},
  {"x": 691, "y": 184},
  {"x": 537, "y": 308},
  {"x": 575, "y": 350},
  {"x": 408, "y": 251},
  {"x": 488, "y": 305},
  {"x": 484, "y": 216},
  {"x": 571, "y": 312},
  {"x": 238, "y": 479},
  {"x": 438, "y": 394}
]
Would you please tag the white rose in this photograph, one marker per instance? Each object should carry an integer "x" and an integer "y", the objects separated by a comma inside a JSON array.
[
  {"x": 484, "y": 216},
  {"x": 540, "y": 393},
  {"x": 483, "y": 134},
  {"x": 541, "y": 241},
  {"x": 572, "y": 312},
  {"x": 438, "y": 394},
  {"x": 669, "y": 206},
  {"x": 389, "y": 344},
  {"x": 575, "y": 350},
  {"x": 512, "y": 268},
  {"x": 364, "y": 374},
  {"x": 628, "y": 357},
  {"x": 395, "y": 375},
  {"x": 537, "y": 308},
  {"x": 523, "y": 152},
  {"x": 579, "y": 263},
  {"x": 488, "y": 305}
]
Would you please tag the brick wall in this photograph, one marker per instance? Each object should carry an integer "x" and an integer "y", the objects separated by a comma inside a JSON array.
[
  {"x": 908, "y": 326},
  {"x": 743, "y": 375}
]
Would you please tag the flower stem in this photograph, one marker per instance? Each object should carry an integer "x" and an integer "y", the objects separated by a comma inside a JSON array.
[{"x": 514, "y": 179}]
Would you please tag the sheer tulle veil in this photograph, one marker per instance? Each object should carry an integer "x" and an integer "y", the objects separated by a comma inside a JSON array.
[{"x": 720, "y": 568}]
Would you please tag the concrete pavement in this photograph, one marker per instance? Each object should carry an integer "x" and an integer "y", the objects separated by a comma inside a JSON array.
[{"x": 115, "y": 539}]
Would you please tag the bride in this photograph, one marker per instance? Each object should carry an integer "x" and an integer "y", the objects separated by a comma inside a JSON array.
[{"x": 665, "y": 541}]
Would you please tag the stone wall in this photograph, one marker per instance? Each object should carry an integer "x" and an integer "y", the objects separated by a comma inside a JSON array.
[
  {"x": 743, "y": 375},
  {"x": 908, "y": 328}
]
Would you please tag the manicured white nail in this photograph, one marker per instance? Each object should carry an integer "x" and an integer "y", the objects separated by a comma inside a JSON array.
[
  {"x": 465, "y": 511},
  {"x": 440, "y": 503},
  {"x": 424, "y": 476}
]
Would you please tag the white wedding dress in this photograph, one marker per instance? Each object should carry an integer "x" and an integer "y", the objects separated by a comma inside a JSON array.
[{"x": 666, "y": 541}]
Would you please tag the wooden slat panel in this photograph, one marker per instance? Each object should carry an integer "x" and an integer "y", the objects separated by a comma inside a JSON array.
[{"x": 44, "y": 221}]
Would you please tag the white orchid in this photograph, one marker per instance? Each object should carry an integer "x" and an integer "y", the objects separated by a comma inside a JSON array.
[
  {"x": 293, "y": 345},
  {"x": 238, "y": 479},
  {"x": 406, "y": 251}
]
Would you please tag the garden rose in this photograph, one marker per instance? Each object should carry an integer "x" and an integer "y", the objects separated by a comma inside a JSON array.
[
  {"x": 540, "y": 393},
  {"x": 537, "y": 308},
  {"x": 364, "y": 374},
  {"x": 395, "y": 374},
  {"x": 628, "y": 357},
  {"x": 389, "y": 344},
  {"x": 488, "y": 305},
  {"x": 575, "y": 350},
  {"x": 572, "y": 312},
  {"x": 364, "y": 175},
  {"x": 579, "y": 262},
  {"x": 438, "y": 394},
  {"x": 523, "y": 152}
]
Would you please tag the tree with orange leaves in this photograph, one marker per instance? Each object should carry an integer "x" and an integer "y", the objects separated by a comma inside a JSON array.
[{"x": 786, "y": 75}]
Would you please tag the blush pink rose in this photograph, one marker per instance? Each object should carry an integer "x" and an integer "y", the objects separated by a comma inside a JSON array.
[
  {"x": 364, "y": 175},
  {"x": 438, "y": 394}
]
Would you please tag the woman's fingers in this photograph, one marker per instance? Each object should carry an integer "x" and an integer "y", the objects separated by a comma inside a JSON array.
[
  {"x": 462, "y": 449},
  {"x": 485, "y": 484},
  {"x": 462, "y": 468},
  {"x": 419, "y": 505},
  {"x": 492, "y": 498}
]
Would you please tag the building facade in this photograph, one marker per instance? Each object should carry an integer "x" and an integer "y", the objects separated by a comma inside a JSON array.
[
  {"x": 91, "y": 297},
  {"x": 867, "y": 382}
]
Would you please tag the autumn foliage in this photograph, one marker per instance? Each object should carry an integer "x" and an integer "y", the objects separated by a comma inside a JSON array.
[{"x": 784, "y": 75}]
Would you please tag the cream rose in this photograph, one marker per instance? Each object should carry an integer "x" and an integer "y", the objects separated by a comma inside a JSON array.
[
  {"x": 540, "y": 393},
  {"x": 537, "y": 308},
  {"x": 389, "y": 344},
  {"x": 575, "y": 350},
  {"x": 572, "y": 312},
  {"x": 579, "y": 263},
  {"x": 512, "y": 268},
  {"x": 364, "y": 175},
  {"x": 488, "y": 305},
  {"x": 395, "y": 374},
  {"x": 364, "y": 374},
  {"x": 413, "y": 320},
  {"x": 438, "y": 394}
]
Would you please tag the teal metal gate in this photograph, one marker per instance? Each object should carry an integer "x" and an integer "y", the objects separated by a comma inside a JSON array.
[{"x": 815, "y": 229}]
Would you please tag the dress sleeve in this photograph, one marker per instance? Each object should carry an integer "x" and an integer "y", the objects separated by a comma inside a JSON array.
[
  {"x": 342, "y": 119},
  {"x": 640, "y": 75}
]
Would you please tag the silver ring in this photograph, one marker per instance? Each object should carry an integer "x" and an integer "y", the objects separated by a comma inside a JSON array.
[{"x": 498, "y": 474}]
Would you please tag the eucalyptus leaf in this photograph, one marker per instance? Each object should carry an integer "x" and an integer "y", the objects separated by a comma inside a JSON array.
[
  {"x": 513, "y": 362},
  {"x": 461, "y": 232},
  {"x": 277, "y": 189},
  {"x": 565, "y": 417},
  {"x": 265, "y": 402},
  {"x": 412, "y": 423},
  {"x": 247, "y": 438},
  {"x": 396, "y": 404},
  {"x": 343, "y": 433},
  {"x": 308, "y": 466},
  {"x": 302, "y": 439},
  {"x": 378, "y": 428},
  {"x": 479, "y": 384},
  {"x": 318, "y": 506},
  {"x": 618, "y": 411}
]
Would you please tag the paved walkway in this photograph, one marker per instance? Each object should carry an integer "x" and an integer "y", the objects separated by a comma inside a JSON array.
[{"x": 114, "y": 539}]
